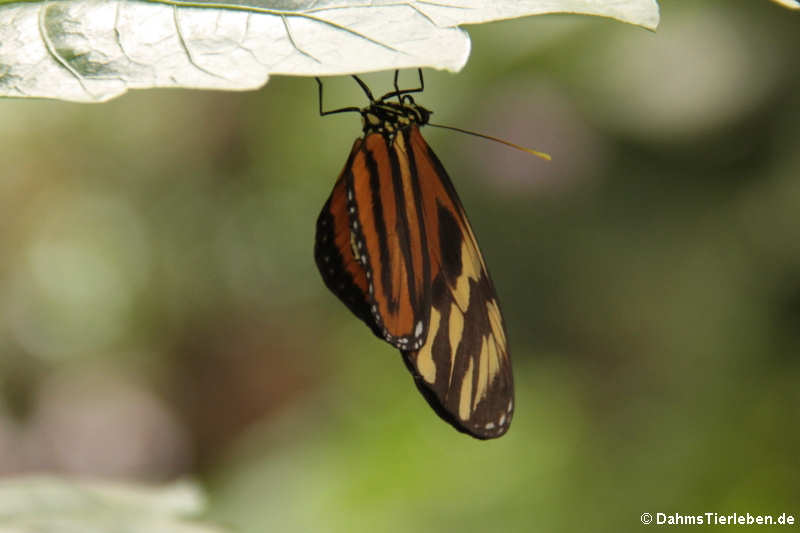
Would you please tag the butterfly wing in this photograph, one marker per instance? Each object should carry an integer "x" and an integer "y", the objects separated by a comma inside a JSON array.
[
  {"x": 333, "y": 250},
  {"x": 370, "y": 246},
  {"x": 463, "y": 369},
  {"x": 394, "y": 244}
]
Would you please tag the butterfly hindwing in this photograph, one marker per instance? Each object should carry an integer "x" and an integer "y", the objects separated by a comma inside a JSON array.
[{"x": 333, "y": 250}]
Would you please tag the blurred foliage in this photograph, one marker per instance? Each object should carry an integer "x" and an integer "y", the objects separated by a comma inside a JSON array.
[
  {"x": 161, "y": 314},
  {"x": 31, "y": 504}
]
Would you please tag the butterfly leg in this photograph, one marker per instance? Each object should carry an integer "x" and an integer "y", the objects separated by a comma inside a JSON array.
[{"x": 350, "y": 109}]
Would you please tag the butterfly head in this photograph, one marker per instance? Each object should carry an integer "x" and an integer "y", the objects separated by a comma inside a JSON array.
[{"x": 387, "y": 117}]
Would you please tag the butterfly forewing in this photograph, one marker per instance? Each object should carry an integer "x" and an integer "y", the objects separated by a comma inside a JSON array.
[{"x": 464, "y": 363}]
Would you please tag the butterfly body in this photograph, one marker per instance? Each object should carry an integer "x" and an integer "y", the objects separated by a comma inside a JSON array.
[{"x": 394, "y": 244}]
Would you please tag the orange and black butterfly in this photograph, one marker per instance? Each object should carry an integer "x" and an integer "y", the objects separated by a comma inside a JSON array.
[{"x": 394, "y": 244}]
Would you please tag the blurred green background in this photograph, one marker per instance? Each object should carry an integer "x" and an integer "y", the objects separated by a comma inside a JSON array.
[{"x": 161, "y": 314}]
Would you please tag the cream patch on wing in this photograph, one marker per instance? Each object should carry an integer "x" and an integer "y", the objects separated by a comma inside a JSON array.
[
  {"x": 487, "y": 346},
  {"x": 425, "y": 364},
  {"x": 470, "y": 269},
  {"x": 492, "y": 361},
  {"x": 455, "y": 330},
  {"x": 465, "y": 399},
  {"x": 497, "y": 338},
  {"x": 496, "y": 321}
]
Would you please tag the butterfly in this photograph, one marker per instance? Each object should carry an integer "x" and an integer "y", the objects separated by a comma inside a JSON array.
[{"x": 393, "y": 243}]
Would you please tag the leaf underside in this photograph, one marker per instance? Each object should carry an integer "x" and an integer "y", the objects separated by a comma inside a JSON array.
[{"x": 94, "y": 50}]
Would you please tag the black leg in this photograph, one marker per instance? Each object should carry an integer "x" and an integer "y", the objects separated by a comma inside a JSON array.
[
  {"x": 322, "y": 113},
  {"x": 396, "y": 86},
  {"x": 364, "y": 88},
  {"x": 398, "y": 92}
]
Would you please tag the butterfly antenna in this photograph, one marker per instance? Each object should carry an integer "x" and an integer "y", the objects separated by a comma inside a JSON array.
[{"x": 543, "y": 155}]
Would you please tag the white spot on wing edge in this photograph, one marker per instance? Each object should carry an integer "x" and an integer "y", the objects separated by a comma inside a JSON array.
[{"x": 418, "y": 329}]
